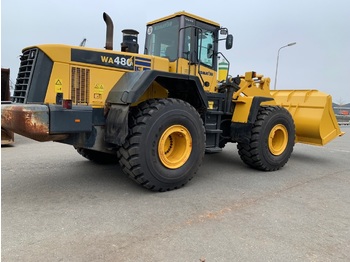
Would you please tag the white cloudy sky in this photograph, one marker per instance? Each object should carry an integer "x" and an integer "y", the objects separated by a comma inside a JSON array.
[{"x": 319, "y": 60}]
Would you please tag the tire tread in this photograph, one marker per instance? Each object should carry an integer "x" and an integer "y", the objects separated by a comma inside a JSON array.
[{"x": 128, "y": 154}]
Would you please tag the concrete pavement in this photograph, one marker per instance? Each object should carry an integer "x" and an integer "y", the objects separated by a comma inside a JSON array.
[{"x": 58, "y": 206}]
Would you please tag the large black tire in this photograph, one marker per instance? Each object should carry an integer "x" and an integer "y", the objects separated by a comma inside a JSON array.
[
  {"x": 165, "y": 145},
  {"x": 97, "y": 157},
  {"x": 272, "y": 140}
]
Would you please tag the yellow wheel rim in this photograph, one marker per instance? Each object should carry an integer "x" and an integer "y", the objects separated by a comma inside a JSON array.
[
  {"x": 175, "y": 146},
  {"x": 278, "y": 139}
]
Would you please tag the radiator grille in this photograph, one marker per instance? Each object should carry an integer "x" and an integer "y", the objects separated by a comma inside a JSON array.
[
  {"x": 80, "y": 85},
  {"x": 24, "y": 76}
]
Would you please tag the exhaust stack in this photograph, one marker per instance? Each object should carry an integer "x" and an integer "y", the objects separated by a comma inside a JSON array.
[{"x": 109, "y": 31}]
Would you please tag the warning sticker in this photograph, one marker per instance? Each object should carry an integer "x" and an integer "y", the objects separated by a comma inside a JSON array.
[
  {"x": 58, "y": 85},
  {"x": 98, "y": 89}
]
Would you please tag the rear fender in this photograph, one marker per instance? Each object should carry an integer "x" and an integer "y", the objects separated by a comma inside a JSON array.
[{"x": 132, "y": 85}]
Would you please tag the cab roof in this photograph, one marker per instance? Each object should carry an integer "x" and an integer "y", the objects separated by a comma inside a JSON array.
[{"x": 183, "y": 13}]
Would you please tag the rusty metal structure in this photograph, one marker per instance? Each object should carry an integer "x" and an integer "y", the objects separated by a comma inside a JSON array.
[{"x": 7, "y": 137}]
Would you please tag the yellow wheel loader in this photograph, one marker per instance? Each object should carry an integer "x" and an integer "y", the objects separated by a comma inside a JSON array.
[{"x": 159, "y": 112}]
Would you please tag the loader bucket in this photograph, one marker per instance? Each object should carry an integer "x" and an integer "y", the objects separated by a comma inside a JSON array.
[{"x": 313, "y": 115}]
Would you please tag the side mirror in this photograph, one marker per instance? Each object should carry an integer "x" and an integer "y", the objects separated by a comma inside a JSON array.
[{"x": 229, "y": 42}]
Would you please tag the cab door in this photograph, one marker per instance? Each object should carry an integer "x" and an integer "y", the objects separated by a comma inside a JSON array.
[
  {"x": 207, "y": 58},
  {"x": 200, "y": 52}
]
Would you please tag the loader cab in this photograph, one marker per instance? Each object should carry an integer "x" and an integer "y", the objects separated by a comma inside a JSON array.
[{"x": 189, "y": 42}]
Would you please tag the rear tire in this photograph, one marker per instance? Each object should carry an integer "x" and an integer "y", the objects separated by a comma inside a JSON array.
[
  {"x": 272, "y": 140},
  {"x": 165, "y": 145},
  {"x": 97, "y": 157}
]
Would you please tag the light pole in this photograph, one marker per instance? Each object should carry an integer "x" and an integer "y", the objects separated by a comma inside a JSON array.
[{"x": 278, "y": 56}]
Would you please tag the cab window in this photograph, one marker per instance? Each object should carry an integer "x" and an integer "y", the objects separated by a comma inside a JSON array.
[
  {"x": 162, "y": 39},
  {"x": 206, "y": 47}
]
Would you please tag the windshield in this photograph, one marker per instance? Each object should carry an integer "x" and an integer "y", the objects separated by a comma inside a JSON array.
[{"x": 162, "y": 39}]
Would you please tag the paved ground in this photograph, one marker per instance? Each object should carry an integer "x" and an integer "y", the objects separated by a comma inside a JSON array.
[{"x": 57, "y": 206}]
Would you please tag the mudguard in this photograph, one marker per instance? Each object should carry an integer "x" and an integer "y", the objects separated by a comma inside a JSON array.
[{"x": 132, "y": 85}]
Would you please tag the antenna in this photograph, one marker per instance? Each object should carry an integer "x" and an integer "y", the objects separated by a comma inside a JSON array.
[{"x": 82, "y": 43}]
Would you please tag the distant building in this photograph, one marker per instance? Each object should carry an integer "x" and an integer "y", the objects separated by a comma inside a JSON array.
[{"x": 342, "y": 113}]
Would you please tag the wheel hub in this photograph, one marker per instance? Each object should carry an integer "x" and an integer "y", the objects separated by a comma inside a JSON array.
[
  {"x": 278, "y": 139},
  {"x": 175, "y": 146}
]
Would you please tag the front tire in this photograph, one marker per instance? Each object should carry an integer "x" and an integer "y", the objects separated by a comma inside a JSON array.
[
  {"x": 165, "y": 145},
  {"x": 272, "y": 140}
]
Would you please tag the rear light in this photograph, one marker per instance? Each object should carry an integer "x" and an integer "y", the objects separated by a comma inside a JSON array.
[{"x": 67, "y": 103}]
